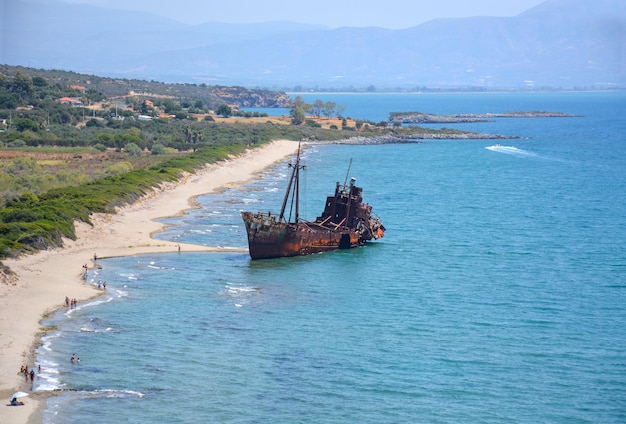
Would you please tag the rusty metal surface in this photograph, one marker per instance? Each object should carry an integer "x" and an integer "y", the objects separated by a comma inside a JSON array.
[
  {"x": 345, "y": 223},
  {"x": 268, "y": 238}
]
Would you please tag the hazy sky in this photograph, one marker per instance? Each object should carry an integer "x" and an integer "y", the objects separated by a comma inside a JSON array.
[{"x": 394, "y": 14}]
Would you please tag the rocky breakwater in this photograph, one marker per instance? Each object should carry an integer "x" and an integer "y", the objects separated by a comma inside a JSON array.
[
  {"x": 428, "y": 118},
  {"x": 415, "y": 138}
]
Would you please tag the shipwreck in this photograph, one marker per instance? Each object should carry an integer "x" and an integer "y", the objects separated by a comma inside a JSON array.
[{"x": 345, "y": 223}]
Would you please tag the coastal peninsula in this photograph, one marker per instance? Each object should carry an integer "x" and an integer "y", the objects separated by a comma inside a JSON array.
[{"x": 460, "y": 118}]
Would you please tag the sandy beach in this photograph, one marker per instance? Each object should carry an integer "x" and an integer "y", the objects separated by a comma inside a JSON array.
[{"x": 46, "y": 278}]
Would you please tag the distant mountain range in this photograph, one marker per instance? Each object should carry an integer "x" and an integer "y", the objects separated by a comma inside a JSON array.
[{"x": 558, "y": 44}]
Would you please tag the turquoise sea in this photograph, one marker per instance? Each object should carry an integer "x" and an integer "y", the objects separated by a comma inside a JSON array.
[{"x": 498, "y": 294}]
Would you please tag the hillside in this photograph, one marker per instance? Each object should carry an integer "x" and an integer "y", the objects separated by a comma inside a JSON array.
[
  {"x": 211, "y": 95},
  {"x": 558, "y": 44},
  {"x": 59, "y": 128}
]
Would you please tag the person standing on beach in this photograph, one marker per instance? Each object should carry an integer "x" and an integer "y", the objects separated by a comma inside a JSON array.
[{"x": 32, "y": 375}]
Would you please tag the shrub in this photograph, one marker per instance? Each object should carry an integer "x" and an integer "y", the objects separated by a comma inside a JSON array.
[
  {"x": 311, "y": 123},
  {"x": 158, "y": 149},
  {"x": 26, "y": 124},
  {"x": 132, "y": 149},
  {"x": 119, "y": 168},
  {"x": 94, "y": 123},
  {"x": 17, "y": 144}
]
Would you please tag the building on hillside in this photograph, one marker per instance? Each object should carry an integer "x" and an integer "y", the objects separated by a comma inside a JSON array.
[
  {"x": 80, "y": 88},
  {"x": 70, "y": 101}
]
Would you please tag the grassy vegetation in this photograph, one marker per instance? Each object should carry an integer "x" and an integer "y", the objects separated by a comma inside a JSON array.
[
  {"x": 60, "y": 163},
  {"x": 30, "y": 222},
  {"x": 41, "y": 205}
]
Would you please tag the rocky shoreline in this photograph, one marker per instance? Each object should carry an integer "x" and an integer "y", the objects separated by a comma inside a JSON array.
[
  {"x": 415, "y": 138},
  {"x": 461, "y": 118}
]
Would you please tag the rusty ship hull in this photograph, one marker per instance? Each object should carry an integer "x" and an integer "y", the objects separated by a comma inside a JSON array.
[
  {"x": 268, "y": 238},
  {"x": 345, "y": 223}
]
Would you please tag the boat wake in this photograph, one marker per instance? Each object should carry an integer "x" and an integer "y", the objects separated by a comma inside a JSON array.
[{"x": 510, "y": 150}]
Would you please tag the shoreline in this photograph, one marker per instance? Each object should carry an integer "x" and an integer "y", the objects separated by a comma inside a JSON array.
[{"x": 45, "y": 278}]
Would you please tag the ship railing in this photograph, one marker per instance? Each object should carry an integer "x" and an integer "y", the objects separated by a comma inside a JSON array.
[
  {"x": 325, "y": 223},
  {"x": 326, "y": 220},
  {"x": 340, "y": 224},
  {"x": 310, "y": 224},
  {"x": 376, "y": 217},
  {"x": 269, "y": 214}
]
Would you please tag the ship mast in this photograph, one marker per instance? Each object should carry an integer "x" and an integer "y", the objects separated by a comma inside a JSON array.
[
  {"x": 347, "y": 218},
  {"x": 345, "y": 181},
  {"x": 295, "y": 176}
]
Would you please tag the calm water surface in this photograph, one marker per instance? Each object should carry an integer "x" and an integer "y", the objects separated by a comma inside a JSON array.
[{"x": 497, "y": 295}]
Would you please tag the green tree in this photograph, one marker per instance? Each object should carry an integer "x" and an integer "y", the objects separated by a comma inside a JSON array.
[
  {"x": 144, "y": 108},
  {"x": 340, "y": 110},
  {"x": 170, "y": 106},
  {"x": 317, "y": 108},
  {"x": 26, "y": 124},
  {"x": 22, "y": 86},
  {"x": 92, "y": 95},
  {"x": 40, "y": 82},
  {"x": 94, "y": 123},
  {"x": 106, "y": 139},
  {"x": 224, "y": 110},
  {"x": 298, "y": 101},
  {"x": 122, "y": 140},
  {"x": 329, "y": 109},
  {"x": 297, "y": 115}
]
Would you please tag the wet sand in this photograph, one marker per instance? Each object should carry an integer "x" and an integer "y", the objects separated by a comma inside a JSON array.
[{"x": 46, "y": 278}]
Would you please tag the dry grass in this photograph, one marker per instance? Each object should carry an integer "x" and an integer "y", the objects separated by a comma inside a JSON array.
[{"x": 283, "y": 120}]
